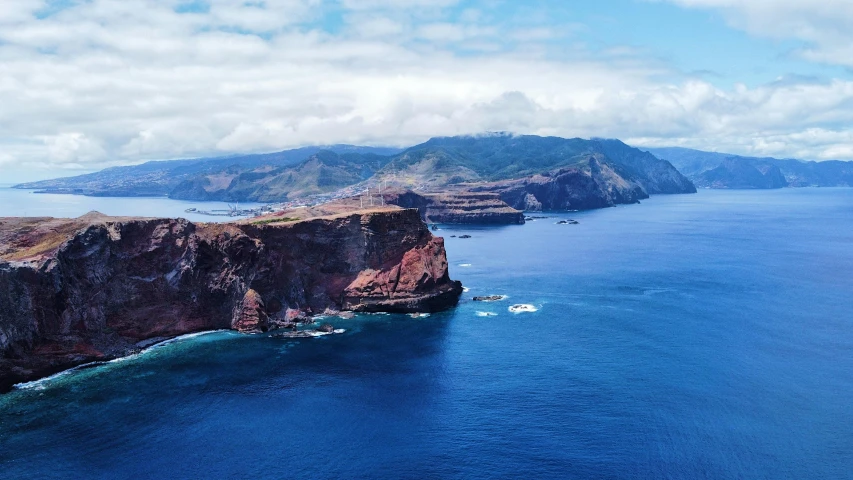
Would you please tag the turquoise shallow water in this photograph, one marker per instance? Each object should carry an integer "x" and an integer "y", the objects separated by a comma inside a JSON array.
[{"x": 692, "y": 336}]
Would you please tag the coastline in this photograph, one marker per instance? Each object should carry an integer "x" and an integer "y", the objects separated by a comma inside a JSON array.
[
  {"x": 76, "y": 291},
  {"x": 34, "y": 384}
]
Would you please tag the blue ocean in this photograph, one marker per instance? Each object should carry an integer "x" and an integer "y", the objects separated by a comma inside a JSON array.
[{"x": 693, "y": 336}]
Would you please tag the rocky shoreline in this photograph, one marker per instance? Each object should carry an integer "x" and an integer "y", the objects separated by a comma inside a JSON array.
[{"x": 74, "y": 291}]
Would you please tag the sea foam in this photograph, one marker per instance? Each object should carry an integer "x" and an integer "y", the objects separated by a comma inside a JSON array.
[{"x": 523, "y": 308}]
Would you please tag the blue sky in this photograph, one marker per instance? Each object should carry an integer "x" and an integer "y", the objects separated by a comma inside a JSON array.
[
  {"x": 87, "y": 84},
  {"x": 691, "y": 42}
]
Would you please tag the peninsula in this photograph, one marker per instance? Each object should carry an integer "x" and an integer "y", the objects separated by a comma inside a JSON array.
[
  {"x": 73, "y": 291},
  {"x": 485, "y": 179}
]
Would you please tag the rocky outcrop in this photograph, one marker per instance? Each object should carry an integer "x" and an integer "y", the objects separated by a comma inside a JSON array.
[
  {"x": 251, "y": 315},
  {"x": 593, "y": 184},
  {"x": 405, "y": 287},
  {"x": 458, "y": 207},
  {"x": 74, "y": 291}
]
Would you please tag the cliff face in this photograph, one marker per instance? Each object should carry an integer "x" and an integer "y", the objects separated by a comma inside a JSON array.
[
  {"x": 74, "y": 291},
  {"x": 461, "y": 207},
  {"x": 583, "y": 187},
  {"x": 736, "y": 173},
  {"x": 723, "y": 170},
  {"x": 656, "y": 176}
]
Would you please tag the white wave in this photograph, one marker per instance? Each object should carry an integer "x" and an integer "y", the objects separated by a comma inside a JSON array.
[
  {"x": 317, "y": 333},
  {"x": 523, "y": 308},
  {"x": 42, "y": 383},
  {"x": 181, "y": 338},
  {"x": 465, "y": 265},
  {"x": 487, "y": 314},
  {"x": 128, "y": 357},
  {"x": 466, "y": 289}
]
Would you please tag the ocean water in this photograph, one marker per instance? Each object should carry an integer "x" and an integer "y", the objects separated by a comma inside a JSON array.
[
  {"x": 692, "y": 336},
  {"x": 27, "y": 203}
]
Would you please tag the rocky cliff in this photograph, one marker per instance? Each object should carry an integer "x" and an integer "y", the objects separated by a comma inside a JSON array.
[
  {"x": 460, "y": 206},
  {"x": 592, "y": 184},
  {"x": 75, "y": 291},
  {"x": 724, "y": 170}
]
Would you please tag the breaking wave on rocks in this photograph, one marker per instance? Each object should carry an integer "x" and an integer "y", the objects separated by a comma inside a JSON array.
[
  {"x": 487, "y": 314},
  {"x": 523, "y": 308},
  {"x": 42, "y": 383}
]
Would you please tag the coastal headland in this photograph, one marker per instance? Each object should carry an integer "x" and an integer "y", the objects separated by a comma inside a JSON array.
[{"x": 73, "y": 291}]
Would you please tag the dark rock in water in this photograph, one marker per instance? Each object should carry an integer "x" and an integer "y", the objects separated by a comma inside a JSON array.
[
  {"x": 453, "y": 236},
  {"x": 295, "y": 334},
  {"x": 464, "y": 236},
  {"x": 490, "y": 298},
  {"x": 521, "y": 308},
  {"x": 567, "y": 222},
  {"x": 320, "y": 332}
]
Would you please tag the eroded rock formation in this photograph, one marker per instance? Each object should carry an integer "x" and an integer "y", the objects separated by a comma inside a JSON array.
[
  {"x": 458, "y": 206},
  {"x": 581, "y": 187},
  {"x": 74, "y": 291}
]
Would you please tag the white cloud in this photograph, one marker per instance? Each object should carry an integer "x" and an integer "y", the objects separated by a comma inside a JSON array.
[
  {"x": 370, "y": 26},
  {"x": 396, "y": 4},
  {"x": 826, "y": 26},
  {"x": 73, "y": 148},
  {"x": 108, "y": 82}
]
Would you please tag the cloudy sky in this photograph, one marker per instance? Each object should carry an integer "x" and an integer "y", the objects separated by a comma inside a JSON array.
[{"x": 86, "y": 84}]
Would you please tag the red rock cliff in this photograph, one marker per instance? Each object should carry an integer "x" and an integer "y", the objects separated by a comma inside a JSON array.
[{"x": 74, "y": 291}]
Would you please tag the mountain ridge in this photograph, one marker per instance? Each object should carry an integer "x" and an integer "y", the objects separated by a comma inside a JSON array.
[
  {"x": 724, "y": 170},
  {"x": 566, "y": 170},
  {"x": 160, "y": 177}
]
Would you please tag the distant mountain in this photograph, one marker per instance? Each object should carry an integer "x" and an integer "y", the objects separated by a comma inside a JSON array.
[
  {"x": 323, "y": 172},
  {"x": 487, "y": 158},
  {"x": 539, "y": 173},
  {"x": 722, "y": 170},
  {"x": 590, "y": 183},
  {"x": 160, "y": 178},
  {"x": 652, "y": 173},
  {"x": 569, "y": 173}
]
